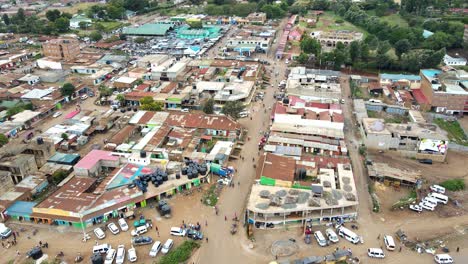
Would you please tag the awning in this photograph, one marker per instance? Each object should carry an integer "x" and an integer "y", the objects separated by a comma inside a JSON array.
[{"x": 207, "y": 137}]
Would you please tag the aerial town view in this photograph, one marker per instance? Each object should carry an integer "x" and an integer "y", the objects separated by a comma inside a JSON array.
[{"x": 234, "y": 131}]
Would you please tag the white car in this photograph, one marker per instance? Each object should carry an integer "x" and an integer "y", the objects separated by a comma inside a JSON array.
[
  {"x": 225, "y": 181},
  {"x": 185, "y": 110},
  {"x": 84, "y": 97},
  {"x": 427, "y": 206},
  {"x": 123, "y": 224},
  {"x": 443, "y": 259},
  {"x": 110, "y": 256},
  {"x": 155, "y": 249},
  {"x": 286, "y": 61},
  {"x": 332, "y": 235},
  {"x": 57, "y": 114},
  {"x": 416, "y": 208},
  {"x": 99, "y": 233},
  {"x": 437, "y": 188},
  {"x": 167, "y": 246},
  {"x": 120, "y": 258},
  {"x": 113, "y": 228},
  {"x": 132, "y": 257},
  {"x": 375, "y": 253}
]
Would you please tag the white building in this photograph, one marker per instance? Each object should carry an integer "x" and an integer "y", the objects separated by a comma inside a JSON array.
[{"x": 451, "y": 61}]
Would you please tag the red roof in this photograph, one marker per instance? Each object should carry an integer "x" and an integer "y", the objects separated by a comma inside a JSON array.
[
  {"x": 293, "y": 100},
  {"x": 93, "y": 157},
  {"x": 196, "y": 120},
  {"x": 137, "y": 95},
  {"x": 317, "y": 105},
  {"x": 169, "y": 87},
  {"x": 203, "y": 71},
  {"x": 338, "y": 118},
  {"x": 419, "y": 96},
  {"x": 325, "y": 116},
  {"x": 142, "y": 87},
  {"x": 280, "y": 109}
]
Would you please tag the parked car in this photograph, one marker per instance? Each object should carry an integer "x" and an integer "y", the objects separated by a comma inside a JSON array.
[
  {"x": 194, "y": 234},
  {"x": 437, "y": 188},
  {"x": 185, "y": 110},
  {"x": 140, "y": 230},
  {"x": 427, "y": 206},
  {"x": 113, "y": 228},
  {"x": 425, "y": 161},
  {"x": 177, "y": 231},
  {"x": 443, "y": 259},
  {"x": 416, "y": 208},
  {"x": 155, "y": 249},
  {"x": 331, "y": 235},
  {"x": 225, "y": 181},
  {"x": 123, "y": 224},
  {"x": 389, "y": 242},
  {"x": 167, "y": 246},
  {"x": 110, "y": 256},
  {"x": 375, "y": 253},
  {"x": 141, "y": 240},
  {"x": 84, "y": 97},
  {"x": 99, "y": 233},
  {"x": 57, "y": 114},
  {"x": 132, "y": 257},
  {"x": 120, "y": 257}
]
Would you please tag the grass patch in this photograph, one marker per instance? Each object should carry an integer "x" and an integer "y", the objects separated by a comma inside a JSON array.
[
  {"x": 211, "y": 197},
  {"x": 180, "y": 254},
  {"x": 111, "y": 25},
  {"x": 392, "y": 19},
  {"x": 327, "y": 22},
  {"x": 406, "y": 201},
  {"x": 454, "y": 130},
  {"x": 454, "y": 185}
]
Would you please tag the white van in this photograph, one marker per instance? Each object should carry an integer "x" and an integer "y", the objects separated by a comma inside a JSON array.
[
  {"x": 177, "y": 231},
  {"x": 443, "y": 258},
  {"x": 440, "y": 198},
  {"x": 5, "y": 232},
  {"x": 389, "y": 242},
  {"x": 101, "y": 249},
  {"x": 331, "y": 235},
  {"x": 348, "y": 235},
  {"x": 375, "y": 253},
  {"x": 437, "y": 188},
  {"x": 320, "y": 239},
  {"x": 427, "y": 206},
  {"x": 155, "y": 249},
  {"x": 375, "y": 101},
  {"x": 139, "y": 230},
  {"x": 428, "y": 199}
]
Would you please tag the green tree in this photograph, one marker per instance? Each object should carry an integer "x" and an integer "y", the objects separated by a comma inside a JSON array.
[
  {"x": 438, "y": 40},
  {"x": 67, "y": 89},
  {"x": 99, "y": 27},
  {"x": 310, "y": 45},
  {"x": 402, "y": 46},
  {"x": 115, "y": 12},
  {"x": 6, "y": 19},
  {"x": 64, "y": 136},
  {"x": 3, "y": 140},
  {"x": 354, "y": 51},
  {"x": 104, "y": 91},
  {"x": 83, "y": 25},
  {"x": 384, "y": 47},
  {"x": 147, "y": 103},
  {"x": 95, "y": 36},
  {"x": 20, "y": 16},
  {"x": 53, "y": 15},
  {"x": 135, "y": 5},
  {"x": 58, "y": 176},
  {"x": 208, "y": 107},
  {"x": 233, "y": 109},
  {"x": 62, "y": 24},
  {"x": 120, "y": 98},
  {"x": 140, "y": 40},
  {"x": 303, "y": 58},
  {"x": 364, "y": 51}
]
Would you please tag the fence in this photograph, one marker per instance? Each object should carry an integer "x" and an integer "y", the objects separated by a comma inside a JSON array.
[{"x": 459, "y": 148}]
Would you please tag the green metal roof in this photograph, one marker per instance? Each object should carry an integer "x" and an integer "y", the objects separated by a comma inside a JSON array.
[{"x": 148, "y": 30}]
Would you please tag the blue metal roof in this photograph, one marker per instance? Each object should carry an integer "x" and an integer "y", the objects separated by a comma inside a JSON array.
[
  {"x": 20, "y": 208},
  {"x": 396, "y": 77},
  {"x": 427, "y": 33}
]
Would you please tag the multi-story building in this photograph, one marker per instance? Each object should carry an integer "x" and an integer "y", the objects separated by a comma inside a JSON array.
[
  {"x": 446, "y": 92},
  {"x": 419, "y": 140},
  {"x": 329, "y": 39},
  {"x": 65, "y": 49},
  {"x": 321, "y": 84}
]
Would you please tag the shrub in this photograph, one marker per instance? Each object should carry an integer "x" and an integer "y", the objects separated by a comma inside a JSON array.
[
  {"x": 454, "y": 185},
  {"x": 180, "y": 254},
  {"x": 339, "y": 21}
]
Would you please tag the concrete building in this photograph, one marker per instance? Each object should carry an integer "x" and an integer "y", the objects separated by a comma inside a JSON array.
[
  {"x": 452, "y": 61},
  {"x": 95, "y": 162},
  {"x": 249, "y": 44},
  {"x": 422, "y": 141},
  {"x": 319, "y": 84},
  {"x": 329, "y": 39},
  {"x": 20, "y": 166},
  {"x": 64, "y": 49},
  {"x": 77, "y": 19},
  {"x": 445, "y": 92},
  {"x": 303, "y": 203},
  {"x": 410, "y": 81}
]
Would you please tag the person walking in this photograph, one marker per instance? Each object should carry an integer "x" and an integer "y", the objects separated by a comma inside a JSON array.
[
  {"x": 3, "y": 245},
  {"x": 206, "y": 239},
  {"x": 225, "y": 218},
  {"x": 458, "y": 249},
  {"x": 206, "y": 223}
]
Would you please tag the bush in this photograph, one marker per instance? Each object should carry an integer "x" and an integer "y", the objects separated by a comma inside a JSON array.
[
  {"x": 339, "y": 21},
  {"x": 454, "y": 185},
  {"x": 210, "y": 198},
  {"x": 58, "y": 176},
  {"x": 180, "y": 254}
]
